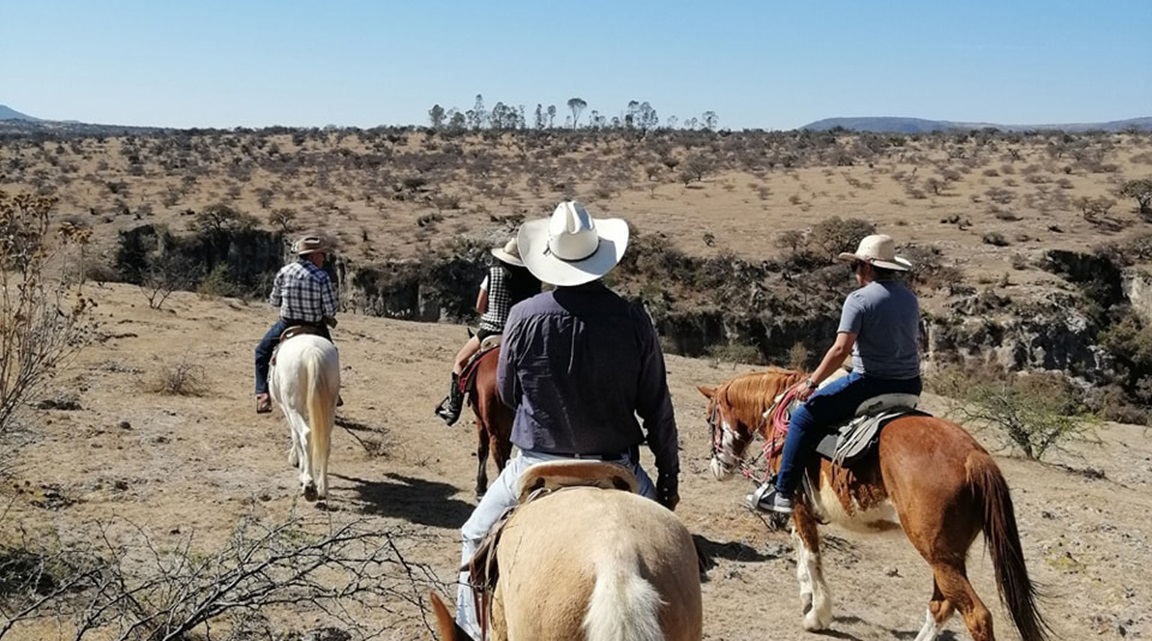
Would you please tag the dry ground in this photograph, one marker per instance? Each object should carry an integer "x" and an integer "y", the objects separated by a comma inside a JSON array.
[{"x": 198, "y": 464}]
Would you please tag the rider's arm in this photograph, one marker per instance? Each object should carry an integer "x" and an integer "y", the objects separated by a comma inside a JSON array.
[
  {"x": 328, "y": 299},
  {"x": 507, "y": 383},
  {"x": 654, "y": 406},
  {"x": 276, "y": 297},
  {"x": 834, "y": 357}
]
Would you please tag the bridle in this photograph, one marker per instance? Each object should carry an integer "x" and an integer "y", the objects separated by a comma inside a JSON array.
[{"x": 723, "y": 438}]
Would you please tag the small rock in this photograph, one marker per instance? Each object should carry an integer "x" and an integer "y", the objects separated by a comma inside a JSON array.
[
  {"x": 891, "y": 571},
  {"x": 120, "y": 485},
  {"x": 265, "y": 497},
  {"x": 124, "y": 425}
]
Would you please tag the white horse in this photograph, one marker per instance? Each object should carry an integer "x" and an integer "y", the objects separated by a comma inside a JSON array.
[{"x": 305, "y": 383}]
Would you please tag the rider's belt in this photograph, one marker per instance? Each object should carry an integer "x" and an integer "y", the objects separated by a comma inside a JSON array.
[{"x": 595, "y": 456}]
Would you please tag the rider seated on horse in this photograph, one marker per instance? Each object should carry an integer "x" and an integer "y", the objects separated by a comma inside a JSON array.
[
  {"x": 880, "y": 328},
  {"x": 508, "y": 282},
  {"x": 582, "y": 367},
  {"x": 306, "y": 297}
]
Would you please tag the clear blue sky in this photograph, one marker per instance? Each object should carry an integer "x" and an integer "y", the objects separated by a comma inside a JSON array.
[{"x": 760, "y": 63}]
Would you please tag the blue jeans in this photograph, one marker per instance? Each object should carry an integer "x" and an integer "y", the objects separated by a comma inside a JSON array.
[
  {"x": 269, "y": 342},
  {"x": 826, "y": 408}
]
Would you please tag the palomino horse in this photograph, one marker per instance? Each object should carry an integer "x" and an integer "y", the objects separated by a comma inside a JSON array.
[
  {"x": 591, "y": 564},
  {"x": 493, "y": 418},
  {"x": 927, "y": 476},
  {"x": 305, "y": 382}
]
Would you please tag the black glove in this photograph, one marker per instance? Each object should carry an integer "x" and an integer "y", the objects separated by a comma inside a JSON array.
[{"x": 668, "y": 490}]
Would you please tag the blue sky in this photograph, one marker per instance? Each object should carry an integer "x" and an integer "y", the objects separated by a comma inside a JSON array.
[{"x": 758, "y": 64}]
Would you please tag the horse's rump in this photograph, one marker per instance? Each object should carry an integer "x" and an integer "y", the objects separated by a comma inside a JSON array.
[{"x": 583, "y": 559}]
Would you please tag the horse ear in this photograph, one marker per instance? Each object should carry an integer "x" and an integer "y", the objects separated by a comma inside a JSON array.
[
  {"x": 449, "y": 630},
  {"x": 707, "y": 391}
]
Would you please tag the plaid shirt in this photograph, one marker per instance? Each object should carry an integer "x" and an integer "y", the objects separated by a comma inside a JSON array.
[
  {"x": 303, "y": 292},
  {"x": 499, "y": 301}
]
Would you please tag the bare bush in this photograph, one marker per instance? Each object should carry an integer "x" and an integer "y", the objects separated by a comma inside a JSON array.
[
  {"x": 1032, "y": 413},
  {"x": 167, "y": 593},
  {"x": 179, "y": 379},
  {"x": 43, "y": 319}
]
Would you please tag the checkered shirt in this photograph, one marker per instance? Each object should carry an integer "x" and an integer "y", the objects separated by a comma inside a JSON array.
[
  {"x": 499, "y": 302},
  {"x": 303, "y": 292}
]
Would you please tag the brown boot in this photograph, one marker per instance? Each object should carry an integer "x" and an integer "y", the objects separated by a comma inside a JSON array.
[{"x": 263, "y": 404}]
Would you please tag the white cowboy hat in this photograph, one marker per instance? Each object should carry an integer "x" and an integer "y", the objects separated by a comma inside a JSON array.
[
  {"x": 310, "y": 244},
  {"x": 878, "y": 250},
  {"x": 509, "y": 253},
  {"x": 571, "y": 247}
]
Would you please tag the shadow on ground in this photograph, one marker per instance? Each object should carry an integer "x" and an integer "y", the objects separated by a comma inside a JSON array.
[{"x": 412, "y": 499}]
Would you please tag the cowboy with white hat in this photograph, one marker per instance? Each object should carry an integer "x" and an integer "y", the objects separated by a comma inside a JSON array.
[
  {"x": 506, "y": 284},
  {"x": 880, "y": 328},
  {"x": 579, "y": 364},
  {"x": 305, "y": 296}
]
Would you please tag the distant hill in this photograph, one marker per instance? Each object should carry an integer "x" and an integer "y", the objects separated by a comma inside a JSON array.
[
  {"x": 8, "y": 113},
  {"x": 13, "y": 122},
  {"x": 895, "y": 124}
]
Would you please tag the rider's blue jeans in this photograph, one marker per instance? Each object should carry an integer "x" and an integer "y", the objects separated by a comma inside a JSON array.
[{"x": 835, "y": 402}]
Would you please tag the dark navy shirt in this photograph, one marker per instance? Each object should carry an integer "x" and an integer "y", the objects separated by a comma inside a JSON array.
[{"x": 579, "y": 364}]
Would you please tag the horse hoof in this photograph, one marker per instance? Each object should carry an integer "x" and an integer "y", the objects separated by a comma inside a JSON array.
[
  {"x": 310, "y": 493},
  {"x": 812, "y": 623}
]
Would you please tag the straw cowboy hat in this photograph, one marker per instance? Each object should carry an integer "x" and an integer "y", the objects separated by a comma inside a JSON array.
[
  {"x": 878, "y": 250},
  {"x": 509, "y": 253},
  {"x": 571, "y": 247},
  {"x": 310, "y": 244}
]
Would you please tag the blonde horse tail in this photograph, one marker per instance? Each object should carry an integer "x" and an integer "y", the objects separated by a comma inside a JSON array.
[
  {"x": 1003, "y": 541},
  {"x": 320, "y": 400},
  {"x": 624, "y": 605}
]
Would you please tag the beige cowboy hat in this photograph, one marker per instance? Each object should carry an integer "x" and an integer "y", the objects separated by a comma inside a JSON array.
[
  {"x": 571, "y": 247},
  {"x": 878, "y": 250},
  {"x": 310, "y": 244},
  {"x": 509, "y": 253}
]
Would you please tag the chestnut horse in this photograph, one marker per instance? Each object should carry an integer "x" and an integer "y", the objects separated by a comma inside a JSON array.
[
  {"x": 493, "y": 419},
  {"x": 926, "y": 475},
  {"x": 591, "y": 564}
]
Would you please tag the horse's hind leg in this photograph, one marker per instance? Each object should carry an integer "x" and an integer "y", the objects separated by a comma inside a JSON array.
[
  {"x": 810, "y": 572},
  {"x": 951, "y": 589},
  {"x": 481, "y": 458}
]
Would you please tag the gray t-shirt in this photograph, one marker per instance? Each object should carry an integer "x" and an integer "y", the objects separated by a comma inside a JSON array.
[{"x": 885, "y": 317}]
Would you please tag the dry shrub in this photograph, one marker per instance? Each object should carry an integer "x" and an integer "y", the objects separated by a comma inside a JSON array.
[
  {"x": 44, "y": 320},
  {"x": 1032, "y": 413},
  {"x": 179, "y": 379}
]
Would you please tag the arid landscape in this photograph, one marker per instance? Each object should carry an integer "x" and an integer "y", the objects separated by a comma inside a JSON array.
[{"x": 146, "y": 444}]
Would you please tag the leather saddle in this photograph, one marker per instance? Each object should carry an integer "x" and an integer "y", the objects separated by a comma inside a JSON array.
[
  {"x": 853, "y": 440},
  {"x": 468, "y": 375},
  {"x": 291, "y": 332}
]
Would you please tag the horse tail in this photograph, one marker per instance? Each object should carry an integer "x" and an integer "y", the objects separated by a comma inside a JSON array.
[
  {"x": 320, "y": 401},
  {"x": 624, "y": 606},
  {"x": 1003, "y": 541}
]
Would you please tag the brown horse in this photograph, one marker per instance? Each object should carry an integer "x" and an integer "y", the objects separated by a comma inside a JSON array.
[
  {"x": 591, "y": 564},
  {"x": 493, "y": 419},
  {"x": 927, "y": 476}
]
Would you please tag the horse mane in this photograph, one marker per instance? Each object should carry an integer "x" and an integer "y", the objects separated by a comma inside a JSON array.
[{"x": 749, "y": 395}]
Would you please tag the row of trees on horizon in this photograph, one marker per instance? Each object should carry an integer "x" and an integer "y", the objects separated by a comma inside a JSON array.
[{"x": 637, "y": 115}]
